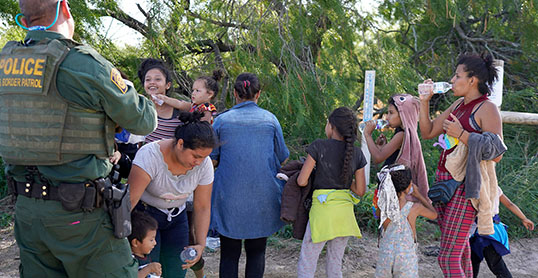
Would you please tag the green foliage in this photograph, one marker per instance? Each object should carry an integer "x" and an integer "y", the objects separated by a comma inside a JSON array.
[
  {"x": 11, "y": 33},
  {"x": 364, "y": 213},
  {"x": 517, "y": 172},
  {"x": 285, "y": 232},
  {"x": 8, "y": 10},
  {"x": 5, "y": 219},
  {"x": 521, "y": 187},
  {"x": 311, "y": 57}
]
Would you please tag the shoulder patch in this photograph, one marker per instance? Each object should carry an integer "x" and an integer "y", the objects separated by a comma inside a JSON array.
[
  {"x": 116, "y": 78},
  {"x": 87, "y": 50}
]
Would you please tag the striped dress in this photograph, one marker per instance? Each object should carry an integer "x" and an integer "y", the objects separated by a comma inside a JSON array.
[{"x": 165, "y": 128}]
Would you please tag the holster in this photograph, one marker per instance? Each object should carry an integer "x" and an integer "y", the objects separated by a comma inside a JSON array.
[{"x": 117, "y": 201}]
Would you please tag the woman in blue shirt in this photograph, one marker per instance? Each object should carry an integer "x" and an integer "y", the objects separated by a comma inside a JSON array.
[{"x": 246, "y": 193}]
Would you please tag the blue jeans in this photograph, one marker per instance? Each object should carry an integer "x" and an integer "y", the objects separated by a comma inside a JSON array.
[{"x": 172, "y": 237}]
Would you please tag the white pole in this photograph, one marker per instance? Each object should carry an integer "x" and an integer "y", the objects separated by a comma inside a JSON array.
[
  {"x": 497, "y": 86},
  {"x": 367, "y": 114}
]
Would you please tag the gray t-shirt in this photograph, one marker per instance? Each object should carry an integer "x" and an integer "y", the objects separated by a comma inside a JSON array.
[{"x": 165, "y": 190}]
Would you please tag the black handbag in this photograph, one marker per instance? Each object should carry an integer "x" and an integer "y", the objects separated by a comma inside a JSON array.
[{"x": 442, "y": 191}]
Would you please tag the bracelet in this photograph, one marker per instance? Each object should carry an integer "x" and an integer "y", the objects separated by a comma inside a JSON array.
[{"x": 462, "y": 130}]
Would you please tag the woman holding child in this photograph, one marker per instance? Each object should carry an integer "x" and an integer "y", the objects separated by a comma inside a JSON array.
[
  {"x": 471, "y": 114},
  {"x": 163, "y": 175}
]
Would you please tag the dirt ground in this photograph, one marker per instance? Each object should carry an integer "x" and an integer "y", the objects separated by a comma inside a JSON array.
[
  {"x": 282, "y": 256},
  {"x": 359, "y": 259}
]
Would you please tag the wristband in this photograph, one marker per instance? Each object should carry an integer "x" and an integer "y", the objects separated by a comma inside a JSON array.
[{"x": 462, "y": 130}]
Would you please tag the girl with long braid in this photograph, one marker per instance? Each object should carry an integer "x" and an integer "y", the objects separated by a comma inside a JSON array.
[{"x": 331, "y": 219}]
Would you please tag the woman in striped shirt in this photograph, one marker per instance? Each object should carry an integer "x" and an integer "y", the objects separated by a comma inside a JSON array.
[{"x": 157, "y": 80}]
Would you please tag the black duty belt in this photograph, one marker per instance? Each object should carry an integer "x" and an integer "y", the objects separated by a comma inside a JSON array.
[
  {"x": 45, "y": 192},
  {"x": 38, "y": 191},
  {"x": 85, "y": 195},
  {"x": 73, "y": 196}
]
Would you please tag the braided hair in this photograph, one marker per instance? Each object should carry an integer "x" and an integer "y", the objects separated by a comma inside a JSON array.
[
  {"x": 482, "y": 67},
  {"x": 195, "y": 132},
  {"x": 247, "y": 85},
  {"x": 345, "y": 122},
  {"x": 212, "y": 82}
]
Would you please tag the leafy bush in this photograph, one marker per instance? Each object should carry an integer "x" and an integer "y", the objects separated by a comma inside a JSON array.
[
  {"x": 521, "y": 186},
  {"x": 517, "y": 172},
  {"x": 364, "y": 214}
]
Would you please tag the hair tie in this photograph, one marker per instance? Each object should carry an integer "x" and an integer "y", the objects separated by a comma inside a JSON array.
[
  {"x": 388, "y": 202},
  {"x": 246, "y": 83}
]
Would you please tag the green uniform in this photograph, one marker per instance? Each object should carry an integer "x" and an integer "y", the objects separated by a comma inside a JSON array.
[{"x": 57, "y": 243}]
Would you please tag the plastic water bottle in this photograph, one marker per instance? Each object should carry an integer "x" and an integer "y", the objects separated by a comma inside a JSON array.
[
  {"x": 212, "y": 242},
  {"x": 379, "y": 124},
  {"x": 188, "y": 254},
  {"x": 437, "y": 87},
  {"x": 157, "y": 100}
]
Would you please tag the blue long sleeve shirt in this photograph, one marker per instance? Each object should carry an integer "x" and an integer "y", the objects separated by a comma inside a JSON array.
[{"x": 246, "y": 193}]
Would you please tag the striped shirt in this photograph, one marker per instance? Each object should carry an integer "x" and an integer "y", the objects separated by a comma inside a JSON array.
[{"x": 165, "y": 128}]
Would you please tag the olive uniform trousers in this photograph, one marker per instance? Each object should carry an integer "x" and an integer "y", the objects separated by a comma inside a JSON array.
[{"x": 61, "y": 243}]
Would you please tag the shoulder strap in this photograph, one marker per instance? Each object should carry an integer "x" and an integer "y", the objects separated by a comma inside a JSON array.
[
  {"x": 405, "y": 213},
  {"x": 457, "y": 106},
  {"x": 472, "y": 118},
  {"x": 482, "y": 103},
  {"x": 175, "y": 113},
  {"x": 406, "y": 209}
]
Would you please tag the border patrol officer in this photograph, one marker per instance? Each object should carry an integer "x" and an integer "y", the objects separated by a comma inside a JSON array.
[{"x": 59, "y": 104}]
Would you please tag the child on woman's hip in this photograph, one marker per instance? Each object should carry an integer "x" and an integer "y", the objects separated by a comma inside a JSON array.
[{"x": 204, "y": 91}]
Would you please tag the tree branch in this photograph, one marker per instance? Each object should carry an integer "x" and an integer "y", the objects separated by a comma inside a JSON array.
[
  {"x": 125, "y": 19},
  {"x": 208, "y": 46},
  {"x": 142, "y": 11},
  {"x": 218, "y": 60},
  {"x": 483, "y": 40},
  {"x": 218, "y": 23}
]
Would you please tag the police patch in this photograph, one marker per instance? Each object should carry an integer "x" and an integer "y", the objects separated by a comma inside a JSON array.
[
  {"x": 116, "y": 78},
  {"x": 23, "y": 73}
]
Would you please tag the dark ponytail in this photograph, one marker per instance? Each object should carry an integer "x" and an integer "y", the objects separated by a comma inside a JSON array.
[
  {"x": 212, "y": 82},
  {"x": 194, "y": 132},
  {"x": 400, "y": 178},
  {"x": 247, "y": 85},
  {"x": 482, "y": 67},
  {"x": 345, "y": 122}
]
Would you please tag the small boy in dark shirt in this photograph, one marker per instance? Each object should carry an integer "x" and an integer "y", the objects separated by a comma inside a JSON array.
[{"x": 142, "y": 240}]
